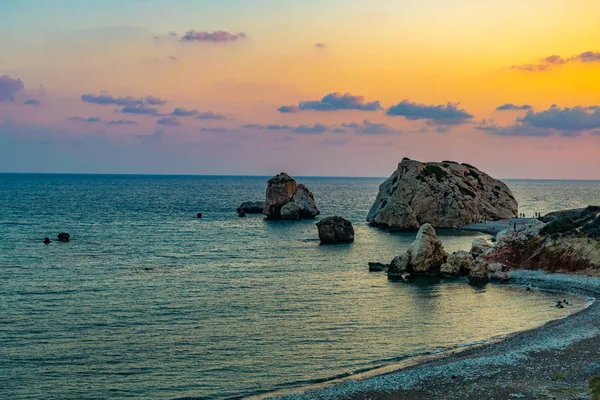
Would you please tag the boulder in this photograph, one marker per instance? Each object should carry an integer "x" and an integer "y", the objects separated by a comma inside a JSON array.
[
  {"x": 285, "y": 199},
  {"x": 63, "y": 237},
  {"x": 335, "y": 230},
  {"x": 479, "y": 246},
  {"x": 458, "y": 263},
  {"x": 251, "y": 207},
  {"x": 479, "y": 273},
  {"x": 377, "y": 267},
  {"x": 46, "y": 240},
  {"x": 242, "y": 214},
  {"x": 398, "y": 266},
  {"x": 426, "y": 253},
  {"x": 446, "y": 195},
  {"x": 500, "y": 276}
]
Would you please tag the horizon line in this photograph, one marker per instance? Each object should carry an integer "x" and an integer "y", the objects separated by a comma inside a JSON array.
[{"x": 259, "y": 176}]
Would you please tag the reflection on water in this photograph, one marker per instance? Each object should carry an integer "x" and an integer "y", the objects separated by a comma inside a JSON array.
[{"x": 147, "y": 301}]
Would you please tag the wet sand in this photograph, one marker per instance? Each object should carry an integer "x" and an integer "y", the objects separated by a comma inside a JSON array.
[{"x": 554, "y": 361}]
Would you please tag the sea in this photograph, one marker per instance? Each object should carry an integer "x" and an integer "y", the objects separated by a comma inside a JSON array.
[{"x": 147, "y": 301}]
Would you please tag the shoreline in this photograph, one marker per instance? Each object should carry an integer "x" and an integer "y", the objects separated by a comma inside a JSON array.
[{"x": 516, "y": 365}]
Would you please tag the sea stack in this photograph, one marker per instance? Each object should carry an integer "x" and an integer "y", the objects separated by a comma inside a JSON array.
[
  {"x": 444, "y": 194},
  {"x": 285, "y": 199}
]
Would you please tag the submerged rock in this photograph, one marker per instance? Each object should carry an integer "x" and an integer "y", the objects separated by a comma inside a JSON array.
[
  {"x": 251, "y": 207},
  {"x": 446, "y": 195},
  {"x": 377, "y": 267},
  {"x": 242, "y": 214},
  {"x": 46, "y": 240},
  {"x": 285, "y": 199},
  {"x": 335, "y": 230},
  {"x": 63, "y": 237}
]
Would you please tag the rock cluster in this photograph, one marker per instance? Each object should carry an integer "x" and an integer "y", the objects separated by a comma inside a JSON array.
[
  {"x": 426, "y": 257},
  {"x": 285, "y": 199},
  {"x": 445, "y": 195},
  {"x": 335, "y": 230}
]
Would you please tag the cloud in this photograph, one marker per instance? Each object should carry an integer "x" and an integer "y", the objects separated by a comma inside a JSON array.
[
  {"x": 107, "y": 99},
  {"x": 514, "y": 130},
  {"x": 288, "y": 109},
  {"x": 81, "y": 119},
  {"x": 555, "y": 60},
  {"x": 566, "y": 119},
  {"x": 139, "y": 109},
  {"x": 513, "y": 107},
  {"x": 32, "y": 102},
  {"x": 569, "y": 122},
  {"x": 334, "y": 102},
  {"x": 300, "y": 129},
  {"x": 122, "y": 122},
  {"x": 168, "y": 121},
  {"x": 8, "y": 87},
  {"x": 531, "y": 67},
  {"x": 587, "y": 57},
  {"x": 311, "y": 129},
  {"x": 449, "y": 114},
  {"x": 215, "y": 37},
  {"x": 210, "y": 115},
  {"x": 215, "y": 130},
  {"x": 155, "y": 100},
  {"x": 182, "y": 112},
  {"x": 320, "y": 46},
  {"x": 368, "y": 128}
]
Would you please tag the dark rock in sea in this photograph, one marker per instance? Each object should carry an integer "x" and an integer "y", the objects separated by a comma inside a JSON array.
[
  {"x": 199, "y": 215},
  {"x": 46, "y": 240},
  {"x": 335, "y": 230},
  {"x": 252, "y": 207},
  {"x": 287, "y": 200},
  {"x": 63, "y": 237},
  {"x": 445, "y": 195},
  {"x": 398, "y": 266},
  {"x": 242, "y": 214},
  {"x": 377, "y": 267}
]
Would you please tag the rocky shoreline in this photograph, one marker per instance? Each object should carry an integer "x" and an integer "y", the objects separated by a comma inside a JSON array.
[{"x": 555, "y": 360}]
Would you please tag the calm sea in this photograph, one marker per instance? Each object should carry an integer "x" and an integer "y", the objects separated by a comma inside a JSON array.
[{"x": 148, "y": 301}]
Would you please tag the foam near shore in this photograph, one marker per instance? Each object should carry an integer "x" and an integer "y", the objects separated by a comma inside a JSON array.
[{"x": 518, "y": 364}]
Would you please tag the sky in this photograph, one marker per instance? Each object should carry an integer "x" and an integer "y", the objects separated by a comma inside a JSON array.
[{"x": 320, "y": 88}]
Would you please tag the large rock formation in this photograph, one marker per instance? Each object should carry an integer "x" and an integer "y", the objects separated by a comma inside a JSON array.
[
  {"x": 335, "y": 230},
  {"x": 445, "y": 194},
  {"x": 287, "y": 200},
  {"x": 569, "y": 242}
]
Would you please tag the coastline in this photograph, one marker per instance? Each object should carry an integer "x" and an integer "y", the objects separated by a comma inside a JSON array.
[{"x": 553, "y": 360}]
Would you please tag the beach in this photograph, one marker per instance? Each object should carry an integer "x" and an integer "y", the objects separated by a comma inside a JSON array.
[{"x": 553, "y": 361}]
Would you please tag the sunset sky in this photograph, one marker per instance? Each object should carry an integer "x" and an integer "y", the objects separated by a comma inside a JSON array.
[{"x": 328, "y": 87}]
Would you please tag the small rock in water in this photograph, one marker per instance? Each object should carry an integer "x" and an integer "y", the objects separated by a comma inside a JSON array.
[
  {"x": 199, "y": 215},
  {"x": 241, "y": 214},
  {"x": 559, "y": 305},
  {"x": 46, "y": 240},
  {"x": 377, "y": 267},
  {"x": 64, "y": 237}
]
